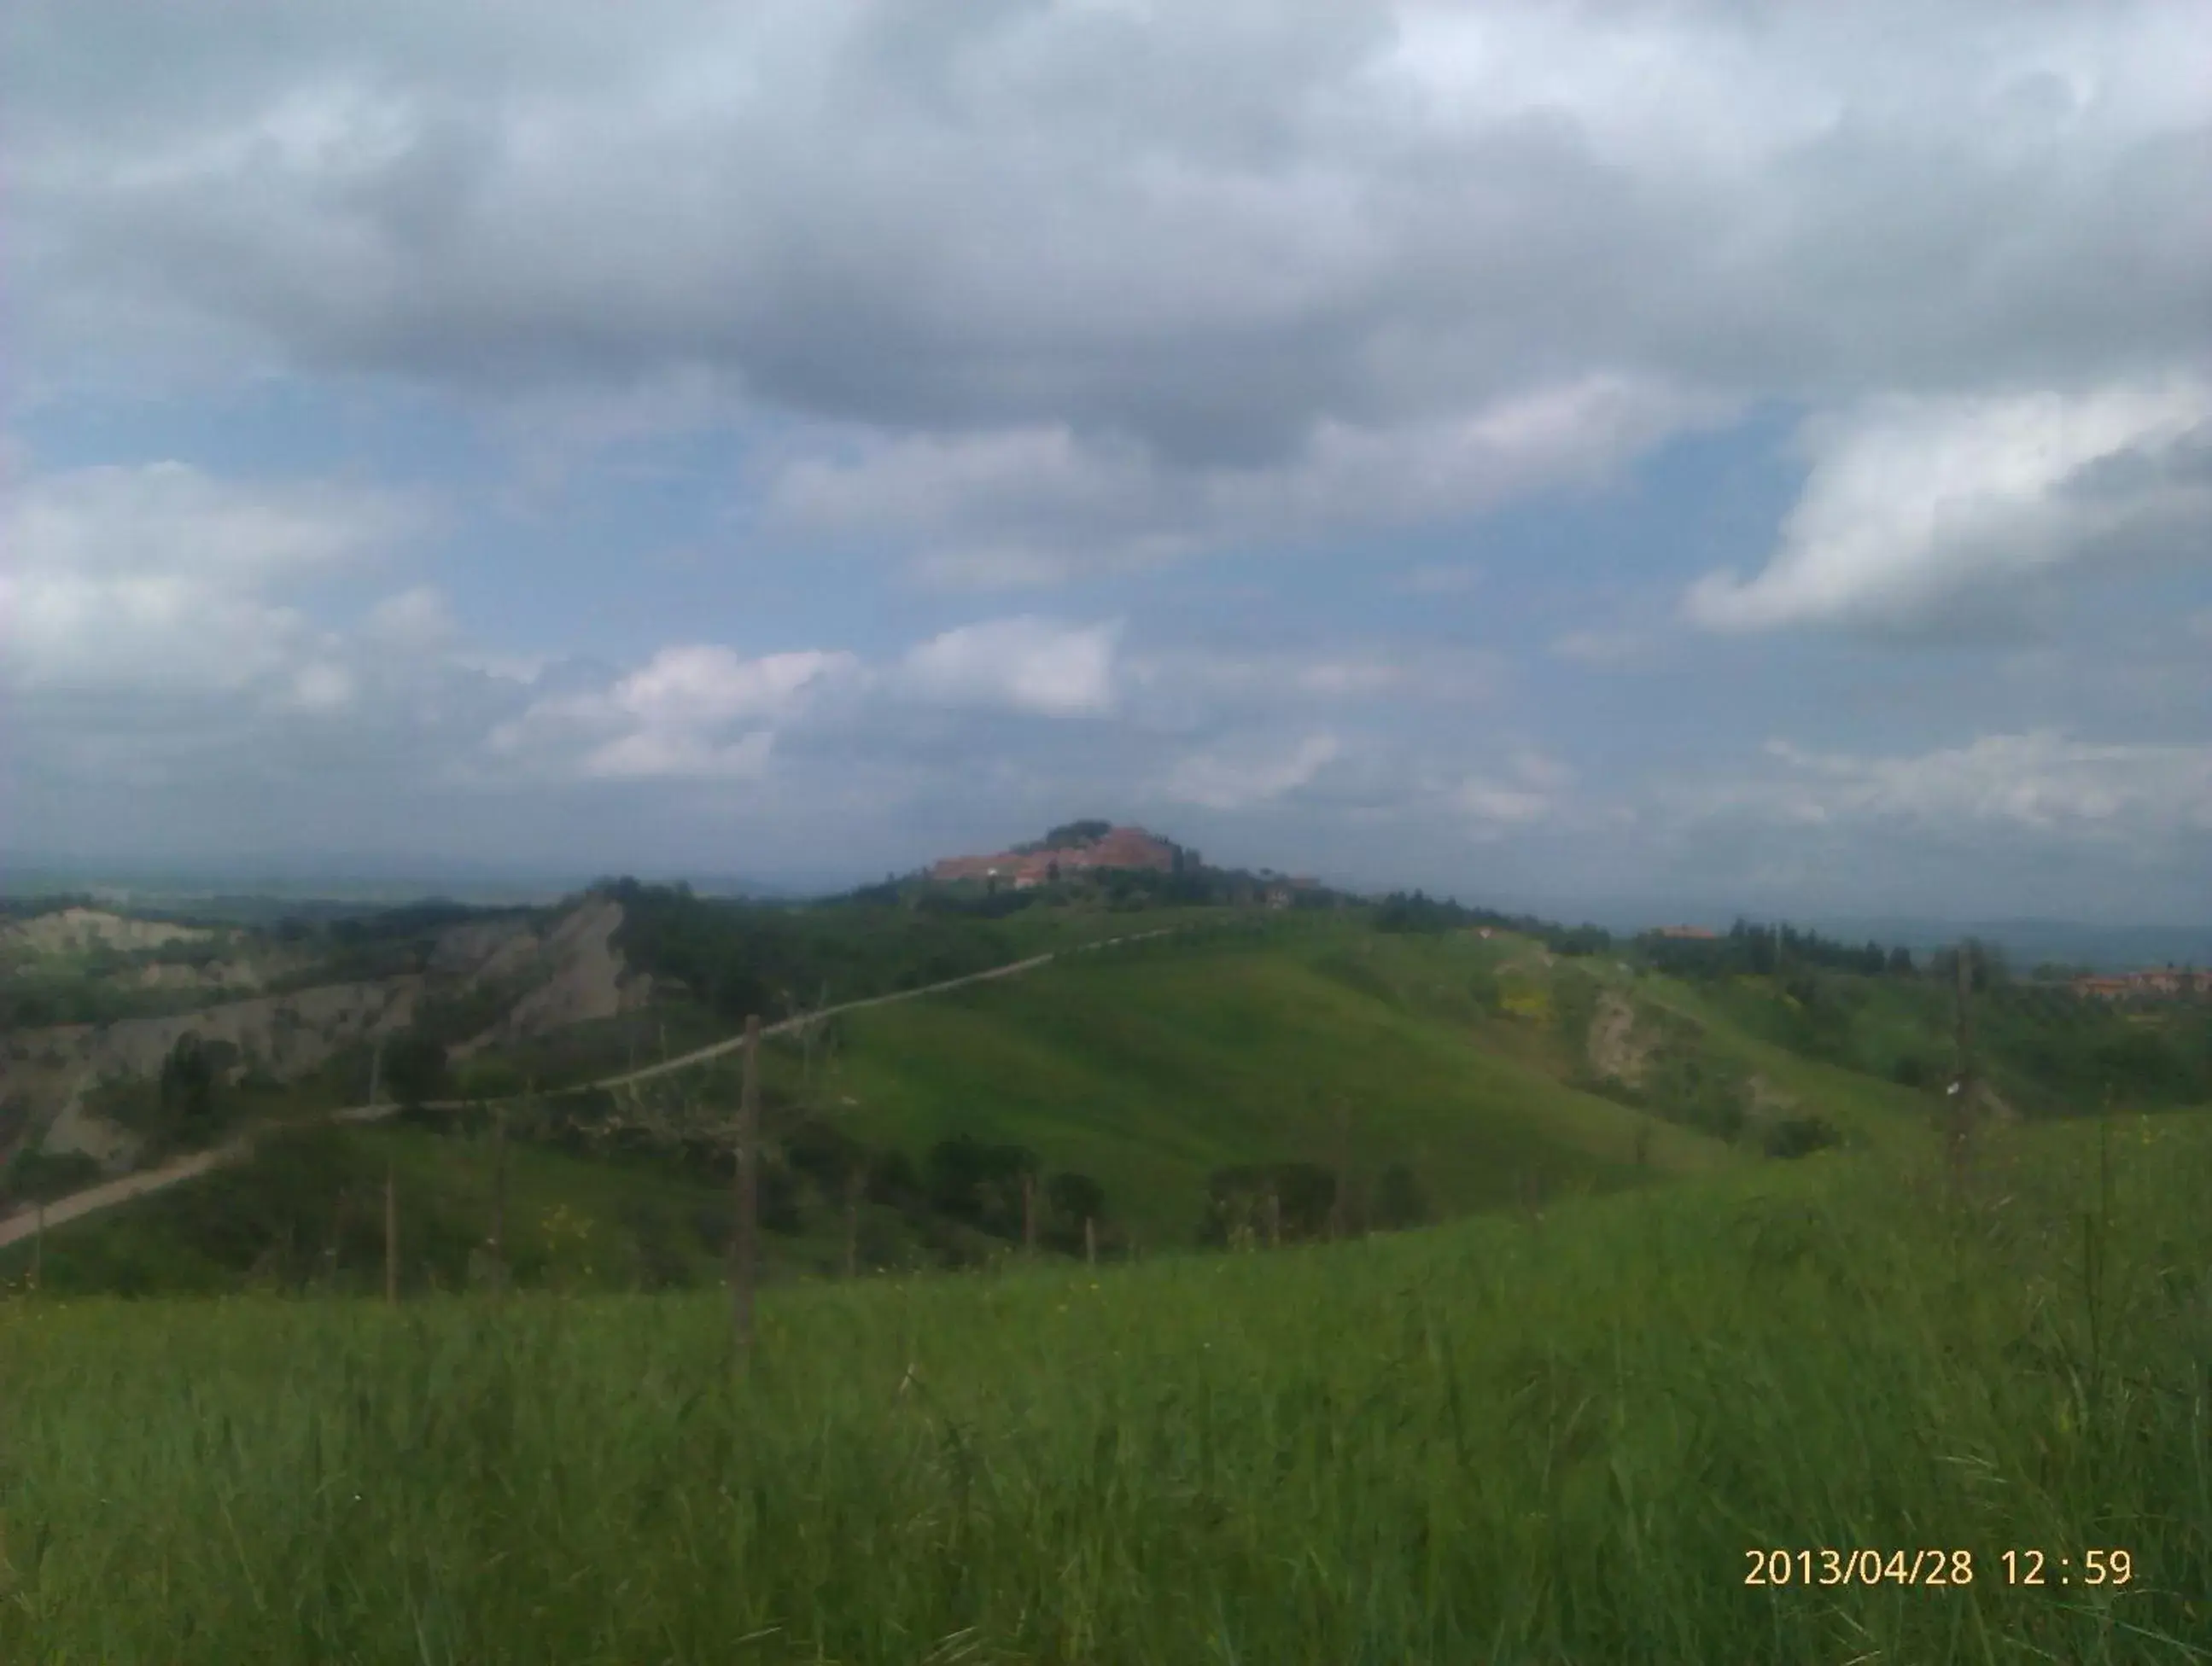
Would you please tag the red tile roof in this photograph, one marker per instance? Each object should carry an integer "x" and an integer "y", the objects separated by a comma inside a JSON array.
[{"x": 1121, "y": 847}]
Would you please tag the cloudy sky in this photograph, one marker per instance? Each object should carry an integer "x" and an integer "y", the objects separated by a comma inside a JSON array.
[{"x": 1730, "y": 455}]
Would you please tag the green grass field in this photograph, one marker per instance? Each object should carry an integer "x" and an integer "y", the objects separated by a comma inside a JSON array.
[
  {"x": 1550, "y": 1433},
  {"x": 1509, "y": 1440},
  {"x": 1152, "y": 1066}
]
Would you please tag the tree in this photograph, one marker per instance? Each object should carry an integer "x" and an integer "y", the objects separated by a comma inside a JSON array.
[
  {"x": 415, "y": 1067},
  {"x": 1076, "y": 1198},
  {"x": 1071, "y": 835},
  {"x": 980, "y": 1184},
  {"x": 1986, "y": 966},
  {"x": 1399, "y": 1199},
  {"x": 893, "y": 1179},
  {"x": 187, "y": 1081},
  {"x": 1304, "y": 1194},
  {"x": 1800, "y": 1136},
  {"x": 489, "y": 1079}
]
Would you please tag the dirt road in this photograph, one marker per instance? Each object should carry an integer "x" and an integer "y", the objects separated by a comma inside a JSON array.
[
  {"x": 92, "y": 1199},
  {"x": 25, "y": 1222}
]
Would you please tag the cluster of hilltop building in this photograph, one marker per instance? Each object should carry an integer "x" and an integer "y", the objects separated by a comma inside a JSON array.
[
  {"x": 1118, "y": 847},
  {"x": 1089, "y": 847}
]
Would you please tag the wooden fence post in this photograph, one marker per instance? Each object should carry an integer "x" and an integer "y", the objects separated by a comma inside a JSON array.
[
  {"x": 499, "y": 1199},
  {"x": 391, "y": 1234},
  {"x": 1090, "y": 1241},
  {"x": 1962, "y": 1084},
  {"x": 745, "y": 1246},
  {"x": 39, "y": 1244},
  {"x": 855, "y": 1179},
  {"x": 1028, "y": 1213},
  {"x": 1340, "y": 1213}
]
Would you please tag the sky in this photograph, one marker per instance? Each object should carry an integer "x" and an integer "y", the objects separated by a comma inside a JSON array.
[{"x": 1686, "y": 457}]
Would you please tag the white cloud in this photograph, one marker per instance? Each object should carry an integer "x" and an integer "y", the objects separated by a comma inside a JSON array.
[
  {"x": 162, "y": 576},
  {"x": 1540, "y": 769},
  {"x": 415, "y": 621},
  {"x": 322, "y": 687},
  {"x": 1491, "y": 802},
  {"x": 704, "y": 712},
  {"x": 1217, "y": 781},
  {"x": 1527, "y": 792},
  {"x": 696, "y": 711},
  {"x": 1915, "y": 506},
  {"x": 647, "y": 754},
  {"x": 2041, "y": 783},
  {"x": 1022, "y": 664},
  {"x": 701, "y": 686}
]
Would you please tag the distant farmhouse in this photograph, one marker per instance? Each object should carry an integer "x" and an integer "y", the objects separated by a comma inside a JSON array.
[
  {"x": 1694, "y": 933},
  {"x": 1078, "y": 848},
  {"x": 2165, "y": 983}
]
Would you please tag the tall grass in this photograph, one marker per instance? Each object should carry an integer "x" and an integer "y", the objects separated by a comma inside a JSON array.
[{"x": 1546, "y": 1439}]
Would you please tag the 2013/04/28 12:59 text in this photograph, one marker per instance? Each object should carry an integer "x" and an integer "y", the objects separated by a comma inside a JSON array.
[{"x": 1932, "y": 1567}]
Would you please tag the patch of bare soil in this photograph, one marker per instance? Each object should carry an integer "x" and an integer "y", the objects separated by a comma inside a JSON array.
[
  {"x": 485, "y": 951},
  {"x": 1992, "y": 1107},
  {"x": 287, "y": 1035},
  {"x": 569, "y": 975},
  {"x": 576, "y": 974},
  {"x": 78, "y": 929},
  {"x": 1767, "y": 1101},
  {"x": 217, "y": 975},
  {"x": 15, "y": 1129},
  {"x": 1616, "y": 1051},
  {"x": 77, "y": 1129}
]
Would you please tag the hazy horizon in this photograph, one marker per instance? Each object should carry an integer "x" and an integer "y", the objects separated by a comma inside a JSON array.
[{"x": 2105, "y": 944}]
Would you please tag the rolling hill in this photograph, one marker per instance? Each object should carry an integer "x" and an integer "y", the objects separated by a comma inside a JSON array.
[{"x": 1454, "y": 1072}]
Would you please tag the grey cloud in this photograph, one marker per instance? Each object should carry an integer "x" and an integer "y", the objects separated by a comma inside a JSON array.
[{"x": 1205, "y": 233}]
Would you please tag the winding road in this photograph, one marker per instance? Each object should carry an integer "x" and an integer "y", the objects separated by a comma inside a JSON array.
[{"x": 26, "y": 1223}]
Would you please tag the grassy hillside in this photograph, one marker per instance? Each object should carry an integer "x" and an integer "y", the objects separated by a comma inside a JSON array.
[
  {"x": 1506, "y": 1440},
  {"x": 1438, "y": 1074},
  {"x": 2047, "y": 1050},
  {"x": 1154, "y": 1067}
]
